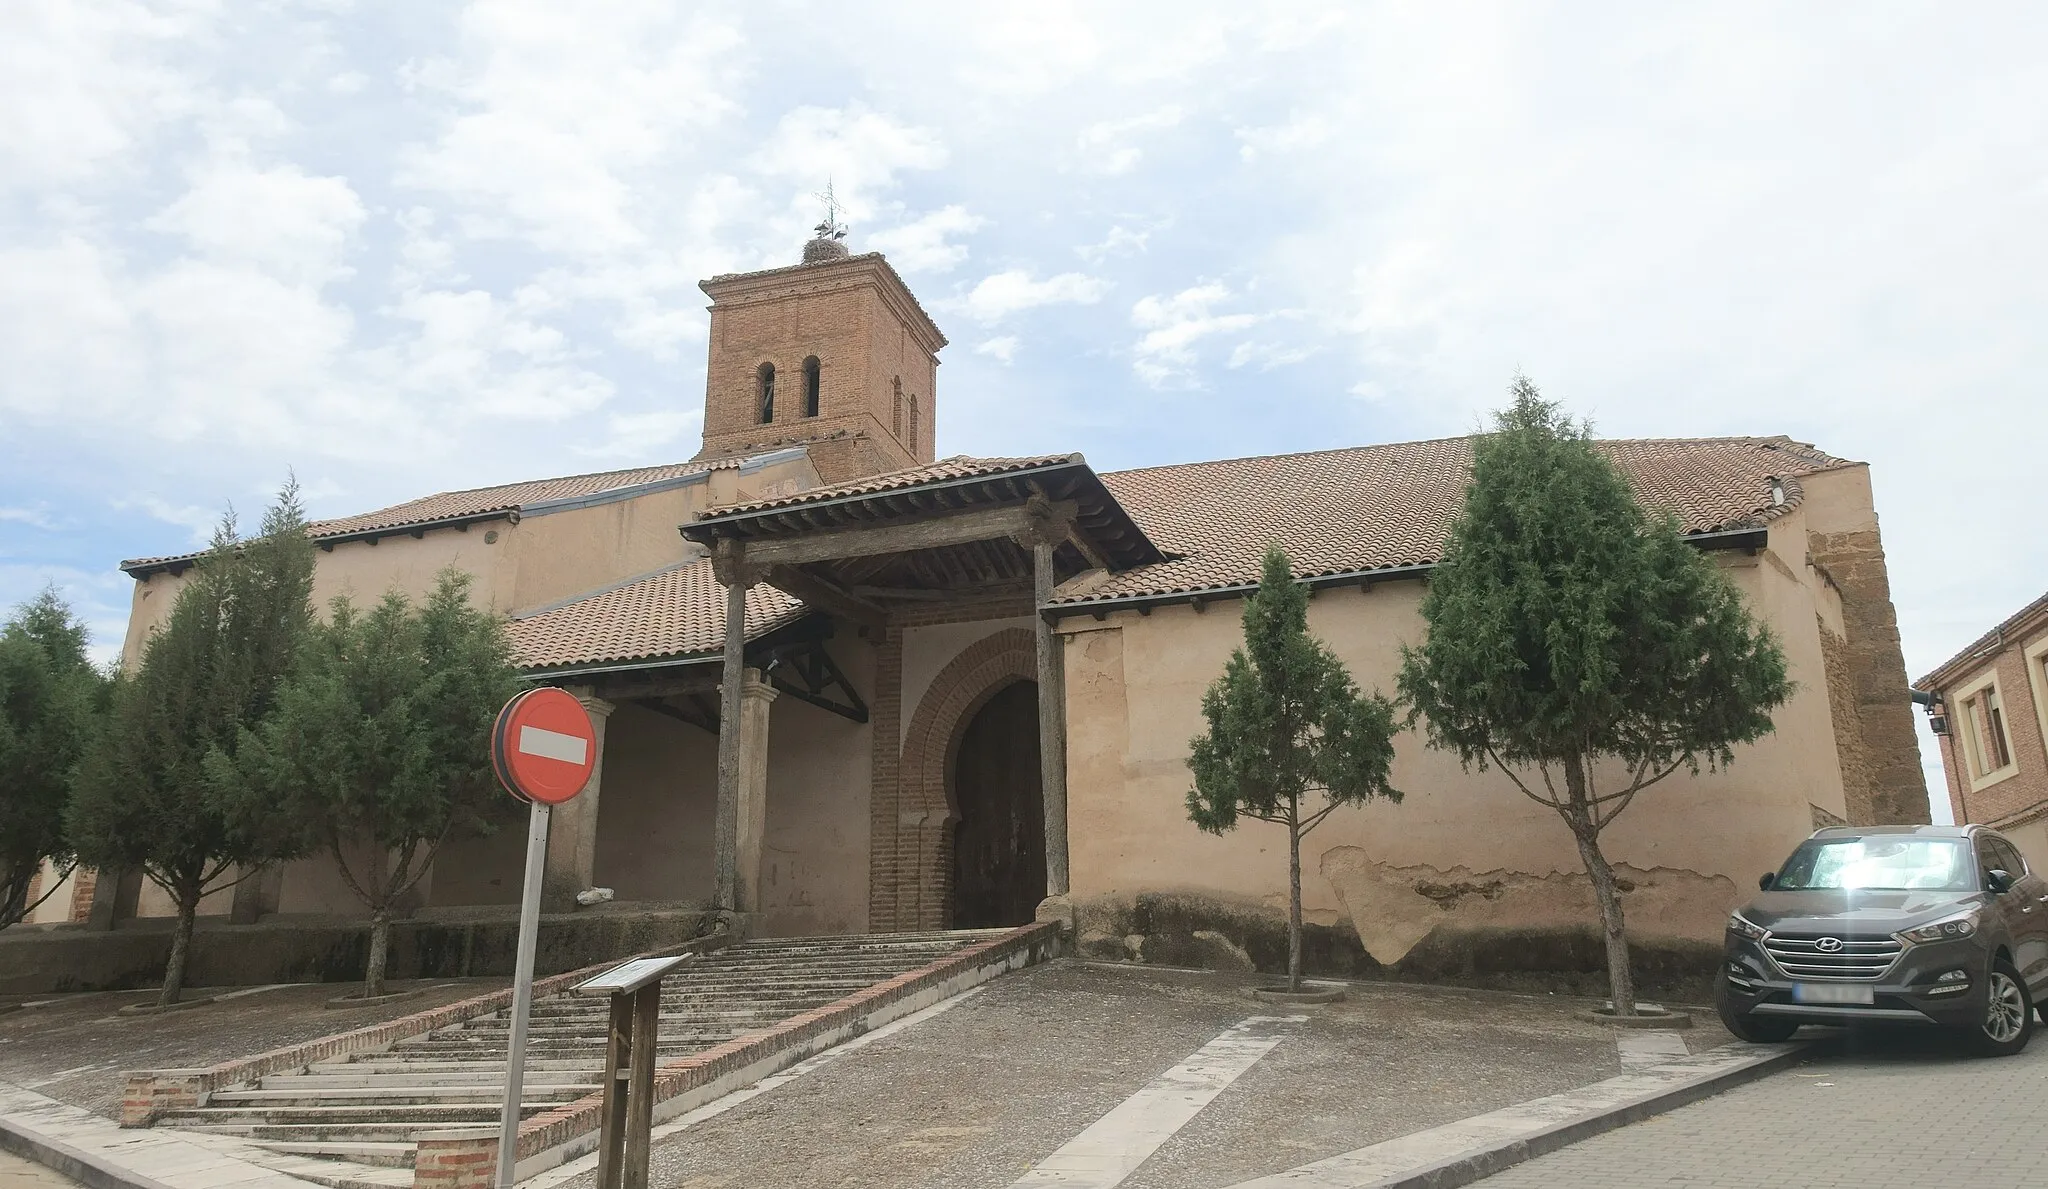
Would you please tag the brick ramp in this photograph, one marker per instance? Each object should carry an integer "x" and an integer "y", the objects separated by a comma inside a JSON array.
[{"x": 423, "y": 1108}]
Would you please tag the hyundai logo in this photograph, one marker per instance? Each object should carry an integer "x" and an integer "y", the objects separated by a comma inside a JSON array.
[{"x": 1829, "y": 945}]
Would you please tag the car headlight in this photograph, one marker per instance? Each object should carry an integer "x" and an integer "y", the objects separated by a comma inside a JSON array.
[
  {"x": 1945, "y": 930},
  {"x": 1737, "y": 923}
]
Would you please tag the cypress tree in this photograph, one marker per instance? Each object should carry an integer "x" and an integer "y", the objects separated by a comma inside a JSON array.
[
  {"x": 1287, "y": 722},
  {"x": 51, "y": 698},
  {"x": 143, "y": 799},
  {"x": 379, "y": 747},
  {"x": 1580, "y": 645}
]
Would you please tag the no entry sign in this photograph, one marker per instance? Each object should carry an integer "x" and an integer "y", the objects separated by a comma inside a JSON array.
[{"x": 544, "y": 746}]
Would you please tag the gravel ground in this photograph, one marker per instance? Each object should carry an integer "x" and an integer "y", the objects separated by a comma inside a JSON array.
[
  {"x": 974, "y": 1097},
  {"x": 75, "y": 1048}
]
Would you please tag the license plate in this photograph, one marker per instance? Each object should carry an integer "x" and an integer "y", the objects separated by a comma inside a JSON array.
[{"x": 1831, "y": 993}]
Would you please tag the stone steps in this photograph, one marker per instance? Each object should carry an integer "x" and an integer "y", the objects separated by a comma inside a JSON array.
[{"x": 353, "y": 1120}]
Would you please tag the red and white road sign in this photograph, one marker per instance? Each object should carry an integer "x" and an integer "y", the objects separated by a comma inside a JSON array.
[{"x": 544, "y": 746}]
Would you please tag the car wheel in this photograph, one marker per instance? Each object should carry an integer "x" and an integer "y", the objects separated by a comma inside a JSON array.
[
  {"x": 2008, "y": 1020},
  {"x": 1761, "y": 1030}
]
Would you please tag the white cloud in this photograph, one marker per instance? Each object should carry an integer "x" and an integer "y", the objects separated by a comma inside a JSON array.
[
  {"x": 1002, "y": 349},
  {"x": 1120, "y": 241},
  {"x": 279, "y": 219},
  {"x": 1001, "y": 294},
  {"x": 1108, "y": 147},
  {"x": 1303, "y": 130},
  {"x": 923, "y": 245},
  {"x": 1165, "y": 353},
  {"x": 644, "y": 436},
  {"x": 860, "y": 150},
  {"x": 1267, "y": 356},
  {"x": 33, "y": 517}
]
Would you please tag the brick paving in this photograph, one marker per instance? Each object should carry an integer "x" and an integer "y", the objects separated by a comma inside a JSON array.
[{"x": 1892, "y": 1111}]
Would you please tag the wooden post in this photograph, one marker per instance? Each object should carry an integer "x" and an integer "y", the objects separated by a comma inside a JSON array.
[
  {"x": 640, "y": 1087},
  {"x": 1052, "y": 721},
  {"x": 618, "y": 1065},
  {"x": 730, "y": 567}
]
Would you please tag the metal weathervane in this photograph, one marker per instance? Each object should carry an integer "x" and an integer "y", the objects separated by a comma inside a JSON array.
[{"x": 831, "y": 228}]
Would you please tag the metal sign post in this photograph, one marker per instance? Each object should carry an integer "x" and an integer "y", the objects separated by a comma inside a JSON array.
[
  {"x": 522, "y": 992},
  {"x": 626, "y": 1141},
  {"x": 544, "y": 748}
]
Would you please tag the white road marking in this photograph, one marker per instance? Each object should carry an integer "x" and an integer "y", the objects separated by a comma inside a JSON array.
[
  {"x": 569, "y": 1171},
  {"x": 1120, "y": 1141},
  {"x": 553, "y": 745},
  {"x": 1653, "y": 1047}
]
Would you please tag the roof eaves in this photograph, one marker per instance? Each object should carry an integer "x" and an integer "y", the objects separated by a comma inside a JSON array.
[
  {"x": 751, "y": 512},
  {"x": 1986, "y": 645}
]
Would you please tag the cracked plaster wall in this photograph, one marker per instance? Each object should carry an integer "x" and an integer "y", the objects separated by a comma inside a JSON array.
[{"x": 1692, "y": 845}]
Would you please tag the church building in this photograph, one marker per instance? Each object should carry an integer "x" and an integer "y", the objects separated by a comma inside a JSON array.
[{"x": 843, "y": 685}]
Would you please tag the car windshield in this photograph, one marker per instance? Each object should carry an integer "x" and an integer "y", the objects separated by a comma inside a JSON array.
[{"x": 1878, "y": 863}]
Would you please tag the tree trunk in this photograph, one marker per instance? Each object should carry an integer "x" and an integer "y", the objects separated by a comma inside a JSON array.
[
  {"x": 181, "y": 945},
  {"x": 1293, "y": 900},
  {"x": 380, "y": 950},
  {"x": 1621, "y": 981}
]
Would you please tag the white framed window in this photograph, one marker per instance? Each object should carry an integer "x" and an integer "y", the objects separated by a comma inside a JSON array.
[
  {"x": 2036, "y": 655},
  {"x": 1981, "y": 733}
]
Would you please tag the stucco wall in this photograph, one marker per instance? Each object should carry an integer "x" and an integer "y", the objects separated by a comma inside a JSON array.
[
  {"x": 1463, "y": 849},
  {"x": 814, "y": 862},
  {"x": 927, "y": 650},
  {"x": 655, "y": 814}
]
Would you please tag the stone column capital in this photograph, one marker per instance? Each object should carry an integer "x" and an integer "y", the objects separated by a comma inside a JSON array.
[{"x": 596, "y": 706}]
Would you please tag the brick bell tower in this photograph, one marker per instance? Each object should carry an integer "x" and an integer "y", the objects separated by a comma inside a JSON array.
[{"x": 833, "y": 354}]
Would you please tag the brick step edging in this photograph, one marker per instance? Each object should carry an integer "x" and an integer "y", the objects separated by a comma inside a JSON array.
[
  {"x": 148, "y": 1093},
  {"x": 467, "y": 1159}
]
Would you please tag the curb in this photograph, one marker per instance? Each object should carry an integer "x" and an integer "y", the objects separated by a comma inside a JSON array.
[
  {"x": 1475, "y": 1164},
  {"x": 83, "y": 1167}
]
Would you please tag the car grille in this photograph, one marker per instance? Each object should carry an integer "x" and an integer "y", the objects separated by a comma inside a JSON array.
[{"x": 1803, "y": 957}]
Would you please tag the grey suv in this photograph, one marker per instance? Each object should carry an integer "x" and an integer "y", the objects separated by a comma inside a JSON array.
[{"x": 1940, "y": 925}]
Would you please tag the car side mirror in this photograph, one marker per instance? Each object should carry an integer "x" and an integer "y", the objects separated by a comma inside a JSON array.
[
  {"x": 1765, "y": 880},
  {"x": 1998, "y": 881}
]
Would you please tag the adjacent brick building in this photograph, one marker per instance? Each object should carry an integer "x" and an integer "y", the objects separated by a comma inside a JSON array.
[{"x": 1990, "y": 713}]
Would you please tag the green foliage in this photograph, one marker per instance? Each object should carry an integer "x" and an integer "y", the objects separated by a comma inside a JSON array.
[
  {"x": 142, "y": 799},
  {"x": 51, "y": 699},
  {"x": 1566, "y": 622},
  {"x": 379, "y": 746},
  {"x": 1285, "y": 721},
  {"x": 1573, "y": 634}
]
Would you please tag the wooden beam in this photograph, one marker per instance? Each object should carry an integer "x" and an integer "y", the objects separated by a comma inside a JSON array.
[
  {"x": 683, "y": 713},
  {"x": 1086, "y": 546},
  {"x": 695, "y": 679},
  {"x": 826, "y": 595},
  {"x": 955, "y": 529}
]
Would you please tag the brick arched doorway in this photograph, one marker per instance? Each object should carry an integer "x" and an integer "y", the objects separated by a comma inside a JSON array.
[{"x": 921, "y": 853}]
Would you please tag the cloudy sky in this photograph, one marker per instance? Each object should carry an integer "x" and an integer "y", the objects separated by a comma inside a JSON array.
[{"x": 397, "y": 248}]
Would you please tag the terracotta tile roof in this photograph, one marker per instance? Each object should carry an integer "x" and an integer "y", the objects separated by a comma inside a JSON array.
[
  {"x": 673, "y": 613},
  {"x": 1378, "y": 507},
  {"x": 1984, "y": 646},
  {"x": 481, "y": 501},
  {"x": 960, "y": 466}
]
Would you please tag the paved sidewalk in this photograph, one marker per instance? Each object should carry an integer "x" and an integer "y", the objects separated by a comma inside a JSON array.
[
  {"x": 1895, "y": 1111},
  {"x": 16, "y": 1173},
  {"x": 145, "y": 1156}
]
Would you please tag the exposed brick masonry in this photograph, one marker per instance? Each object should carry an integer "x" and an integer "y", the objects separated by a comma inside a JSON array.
[{"x": 920, "y": 861}]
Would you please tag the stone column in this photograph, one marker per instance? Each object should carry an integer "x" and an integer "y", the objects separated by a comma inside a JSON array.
[
  {"x": 572, "y": 825},
  {"x": 729, "y": 564},
  {"x": 751, "y": 819}
]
